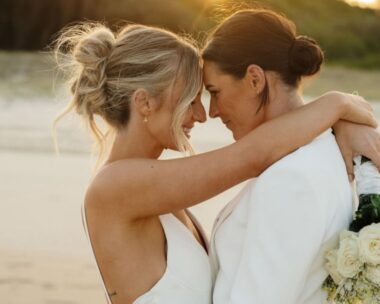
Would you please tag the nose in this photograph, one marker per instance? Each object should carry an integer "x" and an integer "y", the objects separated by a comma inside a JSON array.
[
  {"x": 213, "y": 110},
  {"x": 199, "y": 113}
]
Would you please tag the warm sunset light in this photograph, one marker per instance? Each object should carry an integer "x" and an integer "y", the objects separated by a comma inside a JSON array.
[{"x": 365, "y": 3}]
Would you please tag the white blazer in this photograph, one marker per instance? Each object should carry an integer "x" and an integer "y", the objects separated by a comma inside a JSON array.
[{"x": 268, "y": 244}]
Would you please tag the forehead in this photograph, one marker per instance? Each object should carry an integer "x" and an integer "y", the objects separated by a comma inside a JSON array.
[
  {"x": 210, "y": 71},
  {"x": 213, "y": 76}
]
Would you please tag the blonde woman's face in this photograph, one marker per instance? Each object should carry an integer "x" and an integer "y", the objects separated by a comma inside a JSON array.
[{"x": 161, "y": 122}]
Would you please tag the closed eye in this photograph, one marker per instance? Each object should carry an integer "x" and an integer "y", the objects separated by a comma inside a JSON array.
[{"x": 213, "y": 93}]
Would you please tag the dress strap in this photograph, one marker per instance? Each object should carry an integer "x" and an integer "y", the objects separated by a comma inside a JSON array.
[{"x": 84, "y": 222}]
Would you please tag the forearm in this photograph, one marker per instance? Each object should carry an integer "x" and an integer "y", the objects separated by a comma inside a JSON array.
[{"x": 282, "y": 135}]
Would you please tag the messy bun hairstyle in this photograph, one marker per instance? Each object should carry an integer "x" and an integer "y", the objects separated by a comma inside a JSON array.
[
  {"x": 104, "y": 69},
  {"x": 265, "y": 38}
]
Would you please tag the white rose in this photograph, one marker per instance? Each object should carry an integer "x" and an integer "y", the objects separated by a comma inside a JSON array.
[
  {"x": 347, "y": 234},
  {"x": 372, "y": 274},
  {"x": 348, "y": 262},
  {"x": 369, "y": 244},
  {"x": 331, "y": 266}
]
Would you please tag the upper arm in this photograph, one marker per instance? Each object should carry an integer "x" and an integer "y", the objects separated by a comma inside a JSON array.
[
  {"x": 143, "y": 187},
  {"x": 284, "y": 232}
]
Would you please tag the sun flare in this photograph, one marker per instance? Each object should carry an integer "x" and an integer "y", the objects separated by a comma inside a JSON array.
[
  {"x": 365, "y": 3},
  {"x": 368, "y": 1}
]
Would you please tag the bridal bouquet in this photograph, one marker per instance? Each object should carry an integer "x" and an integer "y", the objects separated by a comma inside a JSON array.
[{"x": 354, "y": 267}]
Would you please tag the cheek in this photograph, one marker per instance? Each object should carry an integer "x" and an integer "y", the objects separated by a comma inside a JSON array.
[
  {"x": 188, "y": 116},
  {"x": 161, "y": 126},
  {"x": 226, "y": 105},
  {"x": 245, "y": 118},
  {"x": 232, "y": 102}
]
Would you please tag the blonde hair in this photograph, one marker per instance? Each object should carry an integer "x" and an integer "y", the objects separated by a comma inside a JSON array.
[{"x": 105, "y": 69}]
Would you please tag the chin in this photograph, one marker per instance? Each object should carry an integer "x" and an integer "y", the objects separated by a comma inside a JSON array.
[
  {"x": 239, "y": 134},
  {"x": 236, "y": 135}
]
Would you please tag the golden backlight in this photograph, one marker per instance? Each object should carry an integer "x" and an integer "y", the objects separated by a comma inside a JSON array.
[{"x": 365, "y": 3}]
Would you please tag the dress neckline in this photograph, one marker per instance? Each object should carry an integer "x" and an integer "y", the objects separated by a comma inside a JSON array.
[{"x": 198, "y": 228}]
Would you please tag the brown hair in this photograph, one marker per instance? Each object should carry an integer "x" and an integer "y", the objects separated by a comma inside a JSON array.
[
  {"x": 265, "y": 38},
  {"x": 105, "y": 69}
]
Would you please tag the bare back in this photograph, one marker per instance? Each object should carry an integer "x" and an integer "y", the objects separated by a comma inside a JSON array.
[{"x": 131, "y": 255}]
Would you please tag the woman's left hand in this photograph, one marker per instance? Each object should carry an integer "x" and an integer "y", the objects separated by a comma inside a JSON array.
[{"x": 353, "y": 140}]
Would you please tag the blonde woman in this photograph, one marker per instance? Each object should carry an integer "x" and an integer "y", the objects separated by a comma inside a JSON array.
[{"x": 145, "y": 83}]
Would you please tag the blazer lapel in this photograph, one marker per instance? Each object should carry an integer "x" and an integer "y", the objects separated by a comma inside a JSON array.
[{"x": 222, "y": 216}]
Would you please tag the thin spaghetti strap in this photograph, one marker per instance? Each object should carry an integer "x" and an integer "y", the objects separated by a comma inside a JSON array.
[{"x": 84, "y": 222}]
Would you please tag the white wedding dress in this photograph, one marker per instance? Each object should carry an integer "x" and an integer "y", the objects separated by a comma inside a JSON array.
[{"x": 187, "y": 278}]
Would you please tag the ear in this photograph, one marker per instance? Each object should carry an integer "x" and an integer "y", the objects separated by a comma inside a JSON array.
[
  {"x": 142, "y": 102},
  {"x": 255, "y": 77}
]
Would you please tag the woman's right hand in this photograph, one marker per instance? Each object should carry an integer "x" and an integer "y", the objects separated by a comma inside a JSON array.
[{"x": 356, "y": 109}]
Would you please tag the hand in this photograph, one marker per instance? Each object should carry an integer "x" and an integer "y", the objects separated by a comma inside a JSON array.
[
  {"x": 353, "y": 140},
  {"x": 357, "y": 110}
]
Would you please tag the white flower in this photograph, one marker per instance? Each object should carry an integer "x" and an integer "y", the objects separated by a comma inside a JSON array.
[
  {"x": 369, "y": 244},
  {"x": 331, "y": 266},
  {"x": 372, "y": 274},
  {"x": 348, "y": 262},
  {"x": 345, "y": 234}
]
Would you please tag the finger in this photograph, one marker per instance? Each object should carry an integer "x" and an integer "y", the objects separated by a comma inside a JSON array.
[
  {"x": 351, "y": 177},
  {"x": 365, "y": 103},
  {"x": 360, "y": 116},
  {"x": 369, "y": 119},
  {"x": 374, "y": 122},
  {"x": 375, "y": 158},
  {"x": 349, "y": 166}
]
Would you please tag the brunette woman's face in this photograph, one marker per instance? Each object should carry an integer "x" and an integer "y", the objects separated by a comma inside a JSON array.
[{"x": 233, "y": 100}]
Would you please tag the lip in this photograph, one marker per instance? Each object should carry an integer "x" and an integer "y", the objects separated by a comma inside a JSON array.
[
  {"x": 226, "y": 123},
  {"x": 187, "y": 130}
]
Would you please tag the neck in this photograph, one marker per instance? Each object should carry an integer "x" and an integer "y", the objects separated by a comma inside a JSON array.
[
  {"x": 134, "y": 142},
  {"x": 282, "y": 99}
]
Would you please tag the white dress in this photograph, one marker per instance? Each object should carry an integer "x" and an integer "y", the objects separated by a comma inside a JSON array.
[{"x": 187, "y": 278}]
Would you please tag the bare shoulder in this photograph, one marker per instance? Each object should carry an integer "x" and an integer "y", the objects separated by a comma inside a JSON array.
[{"x": 112, "y": 183}]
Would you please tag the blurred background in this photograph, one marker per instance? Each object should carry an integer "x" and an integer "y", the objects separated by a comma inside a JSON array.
[{"x": 44, "y": 255}]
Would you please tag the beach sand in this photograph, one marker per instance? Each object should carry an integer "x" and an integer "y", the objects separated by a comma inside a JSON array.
[{"x": 44, "y": 254}]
